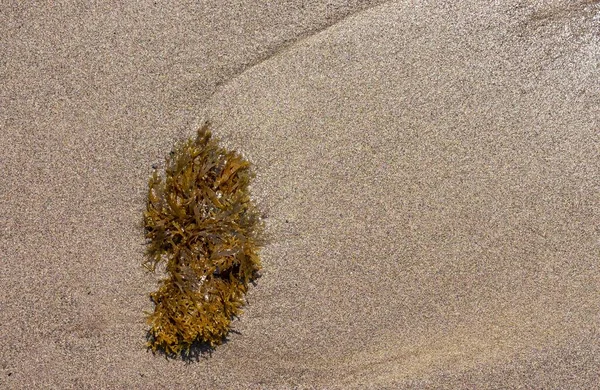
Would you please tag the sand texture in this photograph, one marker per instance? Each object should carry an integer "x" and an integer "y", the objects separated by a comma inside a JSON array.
[{"x": 429, "y": 173}]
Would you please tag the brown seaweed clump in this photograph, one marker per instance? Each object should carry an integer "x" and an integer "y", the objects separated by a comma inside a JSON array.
[{"x": 203, "y": 227}]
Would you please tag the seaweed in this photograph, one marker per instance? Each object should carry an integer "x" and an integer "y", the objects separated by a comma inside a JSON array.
[{"x": 202, "y": 226}]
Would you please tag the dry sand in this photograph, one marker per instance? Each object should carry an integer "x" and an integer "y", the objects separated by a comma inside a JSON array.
[{"x": 430, "y": 175}]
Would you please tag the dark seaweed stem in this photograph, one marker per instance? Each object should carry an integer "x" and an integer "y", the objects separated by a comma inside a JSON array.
[{"x": 201, "y": 224}]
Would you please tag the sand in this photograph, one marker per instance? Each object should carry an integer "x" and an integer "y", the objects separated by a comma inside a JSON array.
[{"x": 429, "y": 174}]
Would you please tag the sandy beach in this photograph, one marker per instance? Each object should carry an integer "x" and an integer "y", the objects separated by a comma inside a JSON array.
[{"x": 429, "y": 176}]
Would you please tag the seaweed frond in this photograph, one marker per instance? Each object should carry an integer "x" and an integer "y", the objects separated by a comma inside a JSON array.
[{"x": 202, "y": 226}]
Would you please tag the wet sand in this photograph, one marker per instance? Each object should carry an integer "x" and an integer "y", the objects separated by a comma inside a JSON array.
[{"x": 429, "y": 174}]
